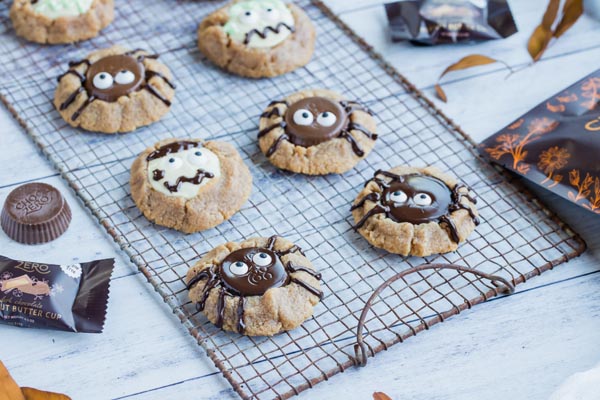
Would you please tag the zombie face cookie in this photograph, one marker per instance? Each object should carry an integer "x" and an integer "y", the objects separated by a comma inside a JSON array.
[
  {"x": 114, "y": 90},
  {"x": 60, "y": 21},
  {"x": 189, "y": 185},
  {"x": 257, "y": 38},
  {"x": 316, "y": 132},
  {"x": 259, "y": 287},
  {"x": 415, "y": 211}
]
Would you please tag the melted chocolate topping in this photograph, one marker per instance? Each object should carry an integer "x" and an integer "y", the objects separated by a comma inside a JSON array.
[
  {"x": 416, "y": 199},
  {"x": 196, "y": 180},
  {"x": 264, "y": 32},
  {"x": 170, "y": 148},
  {"x": 112, "y": 65},
  {"x": 247, "y": 272},
  {"x": 314, "y": 133}
]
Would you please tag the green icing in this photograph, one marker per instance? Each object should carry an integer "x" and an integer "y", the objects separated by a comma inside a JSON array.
[{"x": 62, "y": 8}]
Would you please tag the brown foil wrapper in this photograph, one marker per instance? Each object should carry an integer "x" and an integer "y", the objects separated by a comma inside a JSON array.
[
  {"x": 430, "y": 22},
  {"x": 557, "y": 144},
  {"x": 71, "y": 297}
]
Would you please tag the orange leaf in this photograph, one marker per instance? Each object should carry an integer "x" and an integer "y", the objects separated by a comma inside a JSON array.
[
  {"x": 381, "y": 396},
  {"x": 572, "y": 10},
  {"x": 440, "y": 92},
  {"x": 9, "y": 390},
  {"x": 543, "y": 32},
  {"x": 34, "y": 394},
  {"x": 554, "y": 109}
]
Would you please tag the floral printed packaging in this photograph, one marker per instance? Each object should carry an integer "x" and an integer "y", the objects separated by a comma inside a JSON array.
[{"x": 557, "y": 144}]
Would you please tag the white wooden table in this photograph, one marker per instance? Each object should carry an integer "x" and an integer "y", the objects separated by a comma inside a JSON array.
[{"x": 521, "y": 347}]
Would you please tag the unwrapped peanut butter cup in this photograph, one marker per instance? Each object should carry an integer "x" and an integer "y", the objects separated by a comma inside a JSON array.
[{"x": 35, "y": 213}]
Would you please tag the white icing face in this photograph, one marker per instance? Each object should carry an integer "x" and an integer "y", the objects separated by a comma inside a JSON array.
[
  {"x": 259, "y": 23},
  {"x": 61, "y": 8},
  {"x": 180, "y": 170}
]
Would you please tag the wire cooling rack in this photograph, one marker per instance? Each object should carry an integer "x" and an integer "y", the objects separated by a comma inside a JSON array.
[{"x": 517, "y": 239}]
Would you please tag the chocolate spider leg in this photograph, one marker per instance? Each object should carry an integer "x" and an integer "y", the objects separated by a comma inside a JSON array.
[
  {"x": 276, "y": 144},
  {"x": 293, "y": 268},
  {"x": 457, "y": 195},
  {"x": 350, "y": 106},
  {"x": 460, "y": 206},
  {"x": 308, "y": 287},
  {"x": 72, "y": 72},
  {"x": 293, "y": 249},
  {"x": 353, "y": 126},
  {"x": 77, "y": 113},
  {"x": 220, "y": 308},
  {"x": 241, "y": 324},
  {"x": 378, "y": 209},
  {"x": 271, "y": 242},
  {"x": 151, "y": 74},
  {"x": 451, "y": 227},
  {"x": 79, "y": 62},
  {"x": 71, "y": 99},
  {"x": 274, "y": 111},
  {"x": 388, "y": 174},
  {"x": 355, "y": 146},
  {"x": 374, "y": 197},
  {"x": 269, "y": 128},
  {"x": 155, "y": 92}
]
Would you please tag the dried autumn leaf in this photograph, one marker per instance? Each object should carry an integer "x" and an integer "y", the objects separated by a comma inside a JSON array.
[
  {"x": 440, "y": 92},
  {"x": 572, "y": 10},
  {"x": 381, "y": 396},
  {"x": 9, "y": 390},
  {"x": 473, "y": 60},
  {"x": 541, "y": 36},
  {"x": 34, "y": 394}
]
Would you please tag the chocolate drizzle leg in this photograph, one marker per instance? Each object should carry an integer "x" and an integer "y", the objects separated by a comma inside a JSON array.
[
  {"x": 240, "y": 276},
  {"x": 416, "y": 199}
]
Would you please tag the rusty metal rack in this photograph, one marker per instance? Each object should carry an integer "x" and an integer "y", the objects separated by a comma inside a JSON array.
[{"x": 517, "y": 239}]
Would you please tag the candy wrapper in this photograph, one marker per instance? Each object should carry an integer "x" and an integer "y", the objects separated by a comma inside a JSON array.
[
  {"x": 71, "y": 297},
  {"x": 557, "y": 144},
  {"x": 449, "y": 21}
]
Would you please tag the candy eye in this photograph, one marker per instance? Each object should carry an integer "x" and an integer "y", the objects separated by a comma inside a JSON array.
[
  {"x": 173, "y": 163},
  {"x": 303, "y": 117},
  {"x": 196, "y": 158},
  {"x": 124, "y": 77},
  {"x": 398, "y": 197},
  {"x": 262, "y": 259},
  {"x": 271, "y": 14},
  {"x": 238, "y": 268},
  {"x": 102, "y": 80},
  {"x": 326, "y": 118},
  {"x": 248, "y": 17},
  {"x": 422, "y": 199}
]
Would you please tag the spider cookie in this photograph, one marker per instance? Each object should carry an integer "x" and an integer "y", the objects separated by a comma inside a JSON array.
[
  {"x": 190, "y": 185},
  {"x": 259, "y": 287},
  {"x": 257, "y": 38},
  {"x": 316, "y": 132},
  {"x": 114, "y": 90},
  {"x": 60, "y": 21},
  {"x": 415, "y": 211}
]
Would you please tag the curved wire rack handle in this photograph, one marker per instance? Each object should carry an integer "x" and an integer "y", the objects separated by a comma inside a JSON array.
[{"x": 360, "y": 348}]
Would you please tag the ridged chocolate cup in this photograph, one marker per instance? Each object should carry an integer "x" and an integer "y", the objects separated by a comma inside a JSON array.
[{"x": 35, "y": 213}]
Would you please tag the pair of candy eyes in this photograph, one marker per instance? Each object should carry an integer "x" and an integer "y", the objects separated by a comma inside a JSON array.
[
  {"x": 250, "y": 17},
  {"x": 419, "y": 199},
  {"x": 240, "y": 268},
  {"x": 305, "y": 117},
  {"x": 194, "y": 158},
  {"x": 104, "y": 80}
]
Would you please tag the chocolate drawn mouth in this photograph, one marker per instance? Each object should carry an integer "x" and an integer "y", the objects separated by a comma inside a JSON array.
[
  {"x": 196, "y": 179},
  {"x": 263, "y": 34}
]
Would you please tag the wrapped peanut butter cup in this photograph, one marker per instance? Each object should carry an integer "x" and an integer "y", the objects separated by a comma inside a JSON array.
[{"x": 70, "y": 297}]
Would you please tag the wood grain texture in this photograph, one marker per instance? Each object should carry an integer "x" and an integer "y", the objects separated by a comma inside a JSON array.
[{"x": 543, "y": 334}]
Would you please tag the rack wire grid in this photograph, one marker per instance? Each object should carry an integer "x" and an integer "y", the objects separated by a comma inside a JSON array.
[{"x": 516, "y": 240}]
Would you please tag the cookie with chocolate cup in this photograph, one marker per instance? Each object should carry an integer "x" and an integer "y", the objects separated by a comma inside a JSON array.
[
  {"x": 60, "y": 21},
  {"x": 316, "y": 132},
  {"x": 190, "y": 185},
  {"x": 259, "y": 287},
  {"x": 114, "y": 90},
  {"x": 415, "y": 211},
  {"x": 257, "y": 38}
]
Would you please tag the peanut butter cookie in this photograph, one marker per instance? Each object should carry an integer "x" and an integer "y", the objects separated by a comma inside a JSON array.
[
  {"x": 114, "y": 90},
  {"x": 415, "y": 211},
  {"x": 60, "y": 21},
  {"x": 189, "y": 185},
  {"x": 316, "y": 132},
  {"x": 259, "y": 287},
  {"x": 257, "y": 38}
]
